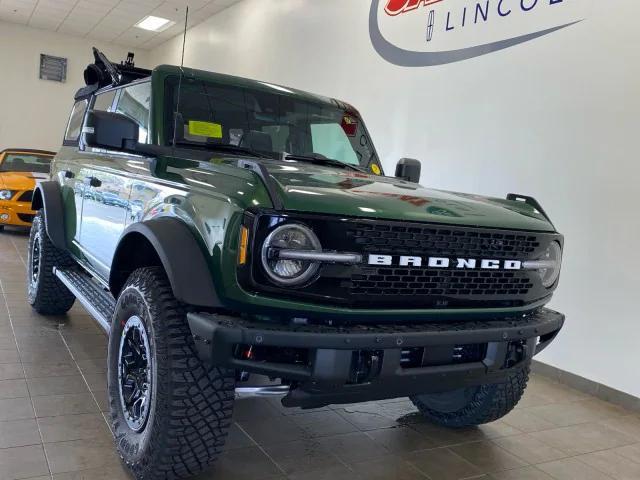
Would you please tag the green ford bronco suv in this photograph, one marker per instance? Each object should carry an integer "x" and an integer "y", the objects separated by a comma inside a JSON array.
[{"x": 224, "y": 230}]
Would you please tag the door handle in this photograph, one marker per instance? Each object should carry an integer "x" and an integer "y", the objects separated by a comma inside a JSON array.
[{"x": 92, "y": 181}]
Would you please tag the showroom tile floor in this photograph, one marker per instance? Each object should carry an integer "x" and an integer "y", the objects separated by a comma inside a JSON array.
[{"x": 53, "y": 403}]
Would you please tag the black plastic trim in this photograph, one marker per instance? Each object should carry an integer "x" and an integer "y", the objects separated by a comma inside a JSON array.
[
  {"x": 325, "y": 379},
  {"x": 180, "y": 254},
  {"x": 99, "y": 303},
  {"x": 221, "y": 331},
  {"x": 515, "y": 197},
  {"x": 263, "y": 172},
  {"x": 48, "y": 196}
]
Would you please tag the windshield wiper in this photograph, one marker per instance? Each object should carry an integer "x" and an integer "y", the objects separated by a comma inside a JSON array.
[
  {"x": 322, "y": 160},
  {"x": 224, "y": 147}
]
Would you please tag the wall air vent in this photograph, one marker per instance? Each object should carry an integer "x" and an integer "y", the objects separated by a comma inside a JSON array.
[{"x": 53, "y": 68}]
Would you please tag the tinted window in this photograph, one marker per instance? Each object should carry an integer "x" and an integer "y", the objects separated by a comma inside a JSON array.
[
  {"x": 75, "y": 121},
  {"x": 272, "y": 120},
  {"x": 135, "y": 103},
  {"x": 27, "y": 162}
]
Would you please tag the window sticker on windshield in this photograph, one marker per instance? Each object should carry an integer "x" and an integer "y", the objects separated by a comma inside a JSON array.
[
  {"x": 349, "y": 125},
  {"x": 205, "y": 129},
  {"x": 376, "y": 169}
]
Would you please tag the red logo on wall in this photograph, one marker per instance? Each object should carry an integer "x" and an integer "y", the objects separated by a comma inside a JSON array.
[{"x": 396, "y": 7}]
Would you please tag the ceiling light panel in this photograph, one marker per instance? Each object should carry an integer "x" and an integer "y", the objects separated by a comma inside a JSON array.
[
  {"x": 154, "y": 24},
  {"x": 110, "y": 20}
]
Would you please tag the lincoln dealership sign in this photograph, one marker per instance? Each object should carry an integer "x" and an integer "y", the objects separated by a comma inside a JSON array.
[{"x": 422, "y": 33}]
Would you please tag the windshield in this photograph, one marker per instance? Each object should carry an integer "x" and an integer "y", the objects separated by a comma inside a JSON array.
[
  {"x": 273, "y": 121},
  {"x": 25, "y": 162}
]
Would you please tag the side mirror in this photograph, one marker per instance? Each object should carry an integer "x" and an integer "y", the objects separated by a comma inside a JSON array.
[
  {"x": 408, "y": 169},
  {"x": 112, "y": 131}
]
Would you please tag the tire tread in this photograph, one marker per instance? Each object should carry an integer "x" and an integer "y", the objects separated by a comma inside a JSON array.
[
  {"x": 489, "y": 403},
  {"x": 194, "y": 405},
  {"x": 49, "y": 296}
]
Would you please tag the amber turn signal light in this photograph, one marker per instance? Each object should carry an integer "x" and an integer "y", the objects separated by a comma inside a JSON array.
[{"x": 244, "y": 243}]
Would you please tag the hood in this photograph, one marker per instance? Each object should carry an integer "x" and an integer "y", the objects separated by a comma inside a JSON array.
[
  {"x": 312, "y": 188},
  {"x": 20, "y": 180}
]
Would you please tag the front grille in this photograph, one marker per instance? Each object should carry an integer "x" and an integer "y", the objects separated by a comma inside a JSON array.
[
  {"x": 411, "y": 287},
  {"x": 466, "y": 242},
  {"x": 434, "y": 282},
  {"x": 26, "y": 196},
  {"x": 437, "y": 286}
]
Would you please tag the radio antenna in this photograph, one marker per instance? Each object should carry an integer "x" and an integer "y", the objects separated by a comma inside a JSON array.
[{"x": 177, "y": 112}]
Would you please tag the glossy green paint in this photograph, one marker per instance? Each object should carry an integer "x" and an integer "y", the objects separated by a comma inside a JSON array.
[
  {"x": 211, "y": 197},
  {"x": 311, "y": 188}
]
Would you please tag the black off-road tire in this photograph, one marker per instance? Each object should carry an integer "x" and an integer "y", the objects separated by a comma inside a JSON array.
[
  {"x": 190, "y": 405},
  {"x": 474, "y": 405},
  {"x": 45, "y": 293}
]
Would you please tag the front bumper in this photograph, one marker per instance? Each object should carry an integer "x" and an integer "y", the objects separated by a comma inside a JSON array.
[
  {"x": 375, "y": 353},
  {"x": 17, "y": 213}
]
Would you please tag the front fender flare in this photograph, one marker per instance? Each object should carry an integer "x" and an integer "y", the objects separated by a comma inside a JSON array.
[
  {"x": 48, "y": 197},
  {"x": 181, "y": 256}
]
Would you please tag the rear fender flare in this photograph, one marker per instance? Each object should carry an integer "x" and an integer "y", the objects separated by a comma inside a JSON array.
[
  {"x": 48, "y": 197},
  {"x": 179, "y": 253}
]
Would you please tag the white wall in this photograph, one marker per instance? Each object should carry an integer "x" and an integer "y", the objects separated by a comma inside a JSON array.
[
  {"x": 557, "y": 118},
  {"x": 34, "y": 112}
]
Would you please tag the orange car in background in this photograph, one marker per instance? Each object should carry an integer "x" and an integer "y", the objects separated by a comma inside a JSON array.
[{"x": 20, "y": 170}]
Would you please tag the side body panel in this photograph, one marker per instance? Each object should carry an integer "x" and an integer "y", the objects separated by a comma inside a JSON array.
[{"x": 105, "y": 206}]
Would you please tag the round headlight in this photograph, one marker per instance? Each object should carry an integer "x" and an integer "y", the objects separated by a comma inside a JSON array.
[
  {"x": 284, "y": 271},
  {"x": 551, "y": 261}
]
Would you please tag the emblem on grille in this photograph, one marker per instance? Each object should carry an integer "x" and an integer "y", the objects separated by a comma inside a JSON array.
[{"x": 444, "y": 262}]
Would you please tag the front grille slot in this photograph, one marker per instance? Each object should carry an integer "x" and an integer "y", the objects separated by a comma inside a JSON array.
[
  {"x": 434, "y": 282},
  {"x": 442, "y": 355},
  {"x": 402, "y": 240}
]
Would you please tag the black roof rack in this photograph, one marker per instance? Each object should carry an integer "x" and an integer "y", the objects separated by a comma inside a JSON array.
[{"x": 104, "y": 73}]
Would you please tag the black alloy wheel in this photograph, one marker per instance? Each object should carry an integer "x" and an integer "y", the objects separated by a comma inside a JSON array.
[{"x": 135, "y": 374}]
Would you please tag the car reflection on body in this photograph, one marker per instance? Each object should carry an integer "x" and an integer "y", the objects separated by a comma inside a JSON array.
[
  {"x": 135, "y": 209},
  {"x": 109, "y": 198}
]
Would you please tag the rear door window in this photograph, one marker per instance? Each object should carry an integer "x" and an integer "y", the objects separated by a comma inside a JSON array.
[
  {"x": 135, "y": 103},
  {"x": 104, "y": 101}
]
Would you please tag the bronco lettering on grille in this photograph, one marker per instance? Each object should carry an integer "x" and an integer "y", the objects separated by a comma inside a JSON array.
[{"x": 445, "y": 262}]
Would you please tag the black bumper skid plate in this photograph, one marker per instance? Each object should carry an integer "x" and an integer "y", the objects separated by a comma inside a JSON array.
[{"x": 326, "y": 378}]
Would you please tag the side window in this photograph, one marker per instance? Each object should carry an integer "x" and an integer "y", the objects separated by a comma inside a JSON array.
[
  {"x": 104, "y": 101},
  {"x": 135, "y": 103},
  {"x": 75, "y": 121},
  {"x": 330, "y": 140}
]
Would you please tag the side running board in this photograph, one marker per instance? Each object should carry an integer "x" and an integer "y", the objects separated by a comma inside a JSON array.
[{"x": 99, "y": 303}]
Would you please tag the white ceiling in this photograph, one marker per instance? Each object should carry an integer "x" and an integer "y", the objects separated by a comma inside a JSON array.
[{"x": 109, "y": 20}]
